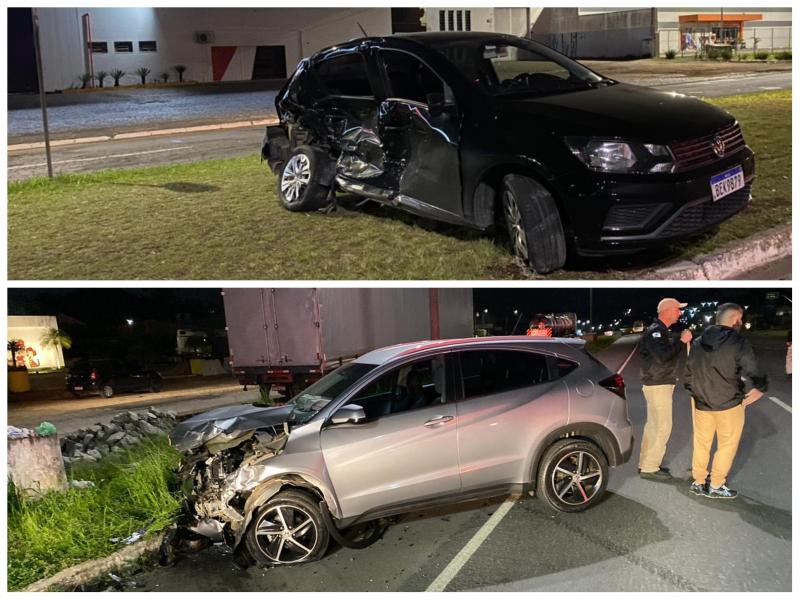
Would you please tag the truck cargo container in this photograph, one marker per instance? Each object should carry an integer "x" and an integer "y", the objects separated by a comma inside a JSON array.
[{"x": 287, "y": 338}]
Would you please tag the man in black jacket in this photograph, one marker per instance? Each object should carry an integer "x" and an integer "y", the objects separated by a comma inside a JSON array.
[
  {"x": 721, "y": 366},
  {"x": 659, "y": 353}
]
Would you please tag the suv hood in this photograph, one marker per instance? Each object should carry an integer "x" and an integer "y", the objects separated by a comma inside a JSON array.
[
  {"x": 622, "y": 111},
  {"x": 227, "y": 426}
]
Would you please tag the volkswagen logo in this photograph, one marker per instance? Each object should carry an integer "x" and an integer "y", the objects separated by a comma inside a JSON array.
[{"x": 718, "y": 145}]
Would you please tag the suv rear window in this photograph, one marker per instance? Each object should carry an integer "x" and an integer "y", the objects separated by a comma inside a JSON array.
[
  {"x": 344, "y": 75},
  {"x": 487, "y": 372}
]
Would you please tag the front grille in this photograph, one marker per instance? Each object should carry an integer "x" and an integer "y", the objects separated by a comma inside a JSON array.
[
  {"x": 696, "y": 217},
  {"x": 625, "y": 217},
  {"x": 699, "y": 152}
]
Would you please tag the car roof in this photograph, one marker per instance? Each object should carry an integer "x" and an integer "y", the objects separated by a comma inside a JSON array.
[
  {"x": 409, "y": 349},
  {"x": 424, "y": 38}
]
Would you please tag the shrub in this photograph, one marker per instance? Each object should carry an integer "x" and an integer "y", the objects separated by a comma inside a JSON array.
[
  {"x": 85, "y": 78},
  {"x": 784, "y": 55},
  {"x": 761, "y": 55},
  {"x": 180, "y": 70},
  {"x": 744, "y": 56},
  {"x": 165, "y": 77},
  {"x": 670, "y": 54},
  {"x": 143, "y": 72},
  {"x": 117, "y": 74},
  {"x": 101, "y": 77}
]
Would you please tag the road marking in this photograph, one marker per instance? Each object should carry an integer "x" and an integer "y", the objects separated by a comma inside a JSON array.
[
  {"x": 91, "y": 158},
  {"x": 781, "y": 404},
  {"x": 627, "y": 360},
  {"x": 460, "y": 559}
]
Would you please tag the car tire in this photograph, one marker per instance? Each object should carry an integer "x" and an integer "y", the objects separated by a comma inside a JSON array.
[
  {"x": 270, "y": 540},
  {"x": 533, "y": 223},
  {"x": 155, "y": 385},
  {"x": 569, "y": 494},
  {"x": 107, "y": 391},
  {"x": 299, "y": 182}
]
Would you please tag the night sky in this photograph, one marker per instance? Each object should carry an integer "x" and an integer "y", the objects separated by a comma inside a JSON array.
[{"x": 109, "y": 306}]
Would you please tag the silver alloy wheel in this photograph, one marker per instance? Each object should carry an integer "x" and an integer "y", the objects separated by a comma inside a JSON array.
[
  {"x": 286, "y": 534},
  {"x": 516, "y": 229},
  {"x": 295, "y": 178},
  {"x": 574, "y": 475}
]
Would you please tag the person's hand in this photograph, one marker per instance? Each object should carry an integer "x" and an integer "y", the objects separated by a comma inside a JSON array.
[
  {"x": 752, "y": 396},
  {"x": 686, "y": 336}
]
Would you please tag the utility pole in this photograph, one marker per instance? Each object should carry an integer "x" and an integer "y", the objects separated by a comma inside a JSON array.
[{"x": 42, "y": 98}]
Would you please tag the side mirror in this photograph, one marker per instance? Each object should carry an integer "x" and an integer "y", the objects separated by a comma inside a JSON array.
[
  {"x": 350, "y": 413},
  {"x": 435, "y": 103}
]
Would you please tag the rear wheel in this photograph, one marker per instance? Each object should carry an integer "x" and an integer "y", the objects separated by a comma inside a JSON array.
[
  {"x": 572, "y": 476},
  {"x": 107, "y": 391},
  {"x": 299, "y": 184},
  {"x": 534, "y": 224},
  {"x": 288, "y": 529}
]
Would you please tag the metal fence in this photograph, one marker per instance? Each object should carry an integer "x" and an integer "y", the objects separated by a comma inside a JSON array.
[{"x": 756, "y": 39}]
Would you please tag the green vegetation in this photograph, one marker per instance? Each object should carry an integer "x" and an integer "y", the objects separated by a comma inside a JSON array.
[
  {"x": 221, "y": 219},
  {"x": 601, "y": 342},
  {"x": 66, "y": 528},
  {"x": 671, "y": 54}
]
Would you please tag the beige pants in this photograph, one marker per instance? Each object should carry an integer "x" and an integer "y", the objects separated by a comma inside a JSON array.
[
  {"x": 658, "y": 427},
  {"x": 728, "y": 426}
]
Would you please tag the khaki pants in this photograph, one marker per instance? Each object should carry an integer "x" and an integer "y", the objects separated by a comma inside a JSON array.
[
  {"x": 728, "y": 426},
  {"x": 658, "y": 427}
]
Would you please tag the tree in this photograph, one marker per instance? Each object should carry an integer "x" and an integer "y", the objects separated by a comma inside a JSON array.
[
  {"x": 180, "y": 70},
  {"x": 165, "y": 77},
  {"x": 117, "y": 74},
  {"x": 55, "y": 338},
  {"x": 13, "y": 347},
  {"x": 85, "y": 80},
  {"x": 143, "y": 72},
  {"x": 101, "y": 76}
]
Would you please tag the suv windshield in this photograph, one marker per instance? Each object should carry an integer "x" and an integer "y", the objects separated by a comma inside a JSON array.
[
  {"x": 317, "y": 396},
  {"x": 520, "y": 65}
]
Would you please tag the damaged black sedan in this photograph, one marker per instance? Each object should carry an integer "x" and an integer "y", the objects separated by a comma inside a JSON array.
[{"x": 485, "y": 130}]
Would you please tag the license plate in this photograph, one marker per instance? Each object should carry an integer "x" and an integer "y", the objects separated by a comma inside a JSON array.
[
  {"x": 78, "y": 388},
  {"x": 726, "y": 183}
]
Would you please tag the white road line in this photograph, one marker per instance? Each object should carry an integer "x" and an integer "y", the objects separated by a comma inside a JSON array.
[
  {"x": 460, "y": 559},
  {"x": 627, "y": 360},
  {"x": 781, "y": 404},
  {"x": 75, "y": 160}
]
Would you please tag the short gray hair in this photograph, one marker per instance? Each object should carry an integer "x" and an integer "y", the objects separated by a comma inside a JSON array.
[{"x": 725, "y": 310}]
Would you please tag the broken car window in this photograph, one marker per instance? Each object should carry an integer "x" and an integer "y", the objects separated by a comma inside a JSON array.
[
  {"x": 344, "y": 75},
  {"x": 409, "y": 77},
  {"x": 317, "y": 396}
]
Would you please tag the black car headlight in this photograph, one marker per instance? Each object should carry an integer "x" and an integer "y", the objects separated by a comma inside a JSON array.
[{"x": 617, "y": 156}]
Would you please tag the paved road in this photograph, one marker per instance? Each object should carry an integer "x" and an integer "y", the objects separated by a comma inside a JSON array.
[{"x": 645, "y": 536}]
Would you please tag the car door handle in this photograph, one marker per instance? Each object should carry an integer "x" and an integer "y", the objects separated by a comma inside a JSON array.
[{"x": 438, "y": 421}]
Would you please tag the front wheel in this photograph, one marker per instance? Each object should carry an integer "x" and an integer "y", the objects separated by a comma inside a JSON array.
[
  {"x": 300, "y": 186},
  {"x": 534, "y": 224},
  {"x": 288, "y": 529},
  {"x": 572, "y": 476}
]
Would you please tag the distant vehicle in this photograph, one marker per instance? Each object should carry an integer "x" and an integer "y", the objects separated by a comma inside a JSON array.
[
  {"x": 401, "y": 429},
  {"x": 638, "y": 327},
  {"x": 287, "y": 338},
  {"x": 484, "y": 129},
  {"x": 553, "y": 325},
  {"x": 108, "y": 377}
]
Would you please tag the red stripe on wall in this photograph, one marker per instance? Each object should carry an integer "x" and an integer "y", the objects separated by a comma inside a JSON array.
[{"x": 221, "y": 57}]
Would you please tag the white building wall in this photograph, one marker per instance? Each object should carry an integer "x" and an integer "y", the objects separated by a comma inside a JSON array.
[
  {"x": 30, "y": 329},
  {"x": 302, "y": 31}
]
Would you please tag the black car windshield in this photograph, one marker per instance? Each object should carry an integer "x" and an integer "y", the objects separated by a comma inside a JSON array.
[
  {"x": 317, "y": 396},
  {"x": 519, "y": 65}
]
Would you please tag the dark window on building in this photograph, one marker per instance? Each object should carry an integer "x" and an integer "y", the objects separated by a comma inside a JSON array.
[
  {"x": 460, "y": 20},
  {"x": 486, "y": 372},
  {"x": 147, "y": 47},
  {"x": 450, "y": 20},
  {"x": 410, "y": 78},
  {"x": 98, "y": 47},
  {"x": 467, "y": 20},
  {"x": 345, "y": 75},
  {"x": 123, "y": 46},
  {"x": 441, "y": 21}
]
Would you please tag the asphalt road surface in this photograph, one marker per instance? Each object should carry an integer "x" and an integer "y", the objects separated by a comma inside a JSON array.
[{"x": 644, "y": 536}]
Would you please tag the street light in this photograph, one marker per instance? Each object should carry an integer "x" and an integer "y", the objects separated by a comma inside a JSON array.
[{"x": 129, "y": 322}]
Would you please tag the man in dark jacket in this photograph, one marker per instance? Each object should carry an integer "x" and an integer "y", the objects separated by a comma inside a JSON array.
[
  {"x": 659, "y": 353},
  {"x": 722, "y": 377}
]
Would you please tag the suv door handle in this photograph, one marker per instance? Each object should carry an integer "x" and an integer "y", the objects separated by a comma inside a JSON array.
[{"x": 438, "y": 421}]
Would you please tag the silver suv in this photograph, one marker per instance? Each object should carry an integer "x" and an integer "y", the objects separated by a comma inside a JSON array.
[{"x": 403, "y": 428}]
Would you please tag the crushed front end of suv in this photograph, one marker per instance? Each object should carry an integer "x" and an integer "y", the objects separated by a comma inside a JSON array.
[
  {"x": 484, "y": 130},
  {"x": 403, "y": 428}
]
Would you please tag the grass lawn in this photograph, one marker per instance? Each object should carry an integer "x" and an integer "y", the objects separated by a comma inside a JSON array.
[
  {"x": 63, "y": 529},
  {"x": 222, "y": 220}
]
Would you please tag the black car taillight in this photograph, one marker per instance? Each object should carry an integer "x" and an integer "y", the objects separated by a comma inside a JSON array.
[
  {"x": 93, "y": 375},
  {"x": 615, "y": 384}
]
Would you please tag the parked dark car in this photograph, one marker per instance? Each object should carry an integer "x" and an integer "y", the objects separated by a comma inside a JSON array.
[
  {"x": 108, "y": 377},
  {"x": 479, "y": 129}
]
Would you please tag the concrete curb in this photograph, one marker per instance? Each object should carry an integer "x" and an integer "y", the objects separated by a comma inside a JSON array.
[
  {"x": 733, "y": 259},
  {"x": 91, "y": 569},
  {"x": 141, "y": 134}
]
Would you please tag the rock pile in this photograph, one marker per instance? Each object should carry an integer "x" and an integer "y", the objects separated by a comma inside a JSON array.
[{"x": 125, "y": 429}]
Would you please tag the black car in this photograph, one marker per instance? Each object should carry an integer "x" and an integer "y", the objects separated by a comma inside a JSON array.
[
  {"x": 478, "y": 129},
  {"x": 108, "y": 377}
]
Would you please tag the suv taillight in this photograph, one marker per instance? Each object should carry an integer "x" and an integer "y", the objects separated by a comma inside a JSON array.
[
  {"x": 615, "y": 384},
  {"x": 93, "y": 375}
]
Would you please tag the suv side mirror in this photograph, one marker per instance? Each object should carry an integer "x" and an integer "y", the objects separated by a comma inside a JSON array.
[
  {"x": 350, "y": 413},
  {"x": 435, "y": 103}
]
